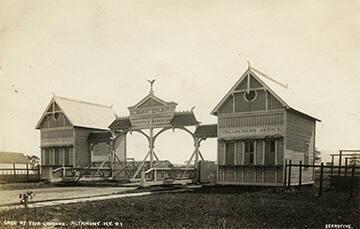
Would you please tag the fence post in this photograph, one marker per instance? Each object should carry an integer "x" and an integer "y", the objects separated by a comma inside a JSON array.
[
  {"x": 352, "y": 180},
  {"x": 340, "y": 156},
  {"x": 332, "y": 165},
  {"x": 289, "y": 176},
  {"x": 346, "y": 164},
  {"x": 14, "y": 169},
  {"x": 321, "y": 178},
  {"x": 27, "y": 172},
  {"x": 38, "y": 172},
  {"x": 300, "y": 174},
  {"x": 285, "y": 173}
]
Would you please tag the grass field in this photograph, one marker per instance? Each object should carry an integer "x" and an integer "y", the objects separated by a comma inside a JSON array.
[{"x": 214, "y": 207}]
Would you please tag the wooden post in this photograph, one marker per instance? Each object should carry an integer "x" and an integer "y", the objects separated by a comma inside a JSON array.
[
  {"x": 14, "y": 172},
  {"x": 352, "y": 180},
  {"x": 27, "y": 172},
  {"x": 289, "y": 176},
  {"x": 340, "y": 156},
  {"x": 332, "y": 165},
  {"x": 321, "y": 178},
  {"x": 346, "y": 164},
  {"x": 285, "y": 172},
  {"x": 151, "y": 146},
  {"x": 197, "y": 145},
  {"x": 300, "y": 174},
  {"x": 38, "y": 172}
]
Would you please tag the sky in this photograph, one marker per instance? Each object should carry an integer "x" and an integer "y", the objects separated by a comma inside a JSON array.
[{"x": 105, "y": 51}]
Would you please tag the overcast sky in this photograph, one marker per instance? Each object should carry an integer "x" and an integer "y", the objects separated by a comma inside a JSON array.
[{"x": 104, "y": 51}]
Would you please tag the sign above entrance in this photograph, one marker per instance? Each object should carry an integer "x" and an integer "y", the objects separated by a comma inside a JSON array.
[
  {"x": 150, "y": 117},
  {"x": 151, "y": 112},
  {"x": 254, "y": 132}
]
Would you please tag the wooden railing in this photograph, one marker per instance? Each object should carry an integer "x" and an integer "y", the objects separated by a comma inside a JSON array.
[{"x": 16, "y": 174}]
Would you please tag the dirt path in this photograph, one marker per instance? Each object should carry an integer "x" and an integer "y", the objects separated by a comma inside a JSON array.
[
  {"x": 75, "y": 200},
  {"x": 11, "y": 197}
]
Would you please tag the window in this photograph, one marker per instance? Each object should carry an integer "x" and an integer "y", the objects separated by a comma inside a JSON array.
[
  {"x": 56, "y": 116},
  {"x": 270, "y": 152},
  {"x": 229, "y": 153},
  {"x": 250, "y": 96},
  {"x": 249, "y": 152}
]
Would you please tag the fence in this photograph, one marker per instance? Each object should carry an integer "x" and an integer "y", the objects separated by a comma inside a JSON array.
[
  {"x": 346, "y": 177},
  {"x": 17, "y": 174}
]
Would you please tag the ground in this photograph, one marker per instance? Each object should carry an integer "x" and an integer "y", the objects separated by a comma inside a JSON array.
[{"x": 214, "y": 207}]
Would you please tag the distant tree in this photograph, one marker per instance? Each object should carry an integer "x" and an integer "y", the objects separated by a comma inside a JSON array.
[
  {"x": 34, "y": 160},
  {"x": 317, "y": 156}
]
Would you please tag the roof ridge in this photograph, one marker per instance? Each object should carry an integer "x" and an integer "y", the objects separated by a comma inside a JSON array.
[{"x": 82, "y": 101}]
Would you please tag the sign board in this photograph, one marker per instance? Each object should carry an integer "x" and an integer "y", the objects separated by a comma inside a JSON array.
[
  {"x": 152, "y": 117},
  {"x": 245, "y": 132}
]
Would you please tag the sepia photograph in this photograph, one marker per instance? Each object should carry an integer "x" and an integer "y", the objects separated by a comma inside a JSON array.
[{"x": 180, "y": 114}]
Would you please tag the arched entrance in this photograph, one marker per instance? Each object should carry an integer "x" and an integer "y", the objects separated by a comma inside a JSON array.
[{"x": 158, "y": 116}]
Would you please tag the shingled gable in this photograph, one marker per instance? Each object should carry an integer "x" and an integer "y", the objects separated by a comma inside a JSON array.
[
  {"x": 281, "y": 92},
  {"x": 82, "y": 114}
]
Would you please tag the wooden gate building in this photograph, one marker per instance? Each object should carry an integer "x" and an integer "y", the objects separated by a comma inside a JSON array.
[
  {"x": 258, "y": 130},
  {"x": 66, "y": 127}
]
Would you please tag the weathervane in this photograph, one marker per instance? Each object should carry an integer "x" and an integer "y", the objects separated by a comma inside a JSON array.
[{"x": 151, "y": 85}]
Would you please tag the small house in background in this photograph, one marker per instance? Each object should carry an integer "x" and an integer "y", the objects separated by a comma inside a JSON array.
[
  {"x": 258, "y": 129},
  {"x": 65, "y": 127},
  {"x": 8, "y": 159}
]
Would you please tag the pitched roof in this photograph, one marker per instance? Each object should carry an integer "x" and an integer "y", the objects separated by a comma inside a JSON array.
[
  {"x": 206, "y": 131},
  {"x": 151, "y": 96},
  {"x": 283, "y": 93},
  {"x": 17, "y": 158},
  {"x": 122, "y": 123},
  {"x": 84, "y": 114},
  {"x": 99, "y": 136},
  {"x": 186, "y": 118}
]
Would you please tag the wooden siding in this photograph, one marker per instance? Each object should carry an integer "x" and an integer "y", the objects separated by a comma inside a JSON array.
[
  {"x": 227, "y": 107},
  {"x": 221, "y": 152},
  {"x": 100, "y": 152},
  {"x": 56, "y": 136},
  {"x": 254, "y": 83},
  {"x": 259, "y": 104},
  {"x": 264, "y": 119},
  {"x": 82, "y": 151},
  {"x": 50, "y": 122},
  {"x": 273, "y": 103},
  {"x": 299, "y": 132},
  {"x": 120, "y": 147},
  {"x": 300, "y": 140}
]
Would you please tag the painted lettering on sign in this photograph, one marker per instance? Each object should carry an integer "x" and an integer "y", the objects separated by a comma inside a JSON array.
[
  {"x": 151, "y": 117},
  {"x": 251, "y": 131}
]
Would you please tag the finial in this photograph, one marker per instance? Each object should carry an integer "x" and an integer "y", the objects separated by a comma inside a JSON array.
[
  {"x": 53, "y": 93},
  {"x": 249, "y": 66},
  {"x": 151, "y": 85}
]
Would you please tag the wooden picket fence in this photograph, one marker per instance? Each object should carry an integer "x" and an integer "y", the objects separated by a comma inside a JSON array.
[
  {"x": 346, "y": 178},
  {"x": 16, "y": 174}
]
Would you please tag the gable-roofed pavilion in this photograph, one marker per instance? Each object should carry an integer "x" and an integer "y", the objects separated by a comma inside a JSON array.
[{"x": 260, "y": 125}]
